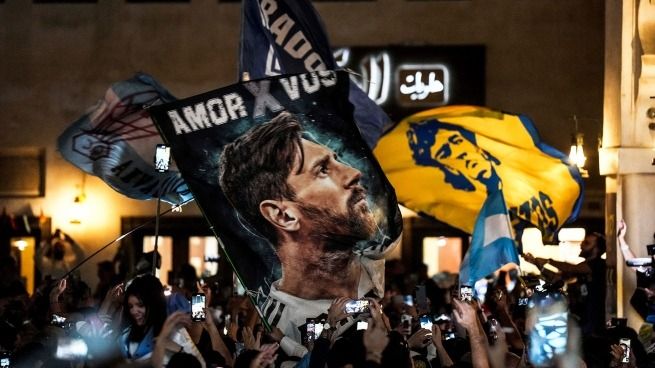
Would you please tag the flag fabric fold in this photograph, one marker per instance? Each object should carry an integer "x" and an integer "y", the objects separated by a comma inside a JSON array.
[
  {"x": 287, "y": 37},
  {"x": 115, "y": 140},
  {"x": 443, "y": 162}
]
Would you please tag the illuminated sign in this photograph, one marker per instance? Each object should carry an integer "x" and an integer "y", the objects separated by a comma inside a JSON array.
[
  {"x": 407, "y": 79},
  {"x": 425, "y": 85}
]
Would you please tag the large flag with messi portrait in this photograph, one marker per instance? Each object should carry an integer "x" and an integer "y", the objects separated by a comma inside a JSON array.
[
  {"x": 301, "y": 207},
  {"x": 443, "y": 161}
]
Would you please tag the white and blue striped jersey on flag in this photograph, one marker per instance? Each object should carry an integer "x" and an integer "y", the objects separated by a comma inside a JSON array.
[{"x": 492, "y": 244}]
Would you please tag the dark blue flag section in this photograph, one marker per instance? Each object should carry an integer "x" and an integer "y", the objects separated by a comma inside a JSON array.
[
  {"x": 293, "y": 193},
  {"x": 287, "y": 37}
]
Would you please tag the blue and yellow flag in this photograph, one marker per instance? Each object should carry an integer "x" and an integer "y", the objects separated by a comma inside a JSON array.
[{"x": 444, "y": 161}]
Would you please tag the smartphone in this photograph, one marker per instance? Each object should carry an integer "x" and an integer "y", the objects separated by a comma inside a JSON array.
[
  {"x": 357, "y": 306},
  {"x": 162, "y": 157},
  {"x": 71, "y": 348},
  {"x": 5, "y": 359},
  {"x": 362, "y": 325},
  {"x": 466, "y": 293},
  {"x": 198, "y": 307},
  {"x": 311, "y": 330},
  {"x": 523, "y": 301},
  {"x": 426, "y": 322},
  {"x": 625, "y": 344},
  {"x": 548, "y": 333},
  {"x": 408, "y": 299}
]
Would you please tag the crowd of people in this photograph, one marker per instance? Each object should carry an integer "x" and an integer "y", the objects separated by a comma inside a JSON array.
[{"x": 506, "y": 320}]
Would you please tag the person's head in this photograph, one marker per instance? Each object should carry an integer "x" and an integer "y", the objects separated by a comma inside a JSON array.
[
  {"x": 187, "y": 279},
  {"x": 453, "y": 150},
  {"x": 58, "y": 250},
  {"x": 144, "y": 265},
  {"x": 593, "y": 246},
  {"x": 181, "y": 359},
  {"x": 106, "y": 271},
  {"x": 144, "y": 304},
  {"x": 283, "y": 184}
]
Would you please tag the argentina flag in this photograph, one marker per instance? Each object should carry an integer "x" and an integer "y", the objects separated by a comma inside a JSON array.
[
  {"x": 287, "y": 37},
  {"x": 492, "y": 244}
]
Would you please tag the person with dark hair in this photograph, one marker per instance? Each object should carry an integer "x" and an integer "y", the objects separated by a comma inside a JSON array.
[
  {"x": 107, "y": 279},
  {"x": 313, "y": 209},
  {"x": 184, "y": 360},
  {"x": 144, "y": 313},
  {"x": 589, "y": 304}
]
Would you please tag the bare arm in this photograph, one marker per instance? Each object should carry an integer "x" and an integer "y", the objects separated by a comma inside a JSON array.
[
  {"x": 502, "y": 313},
  {"x": 217, "y": 341},
  {"x": 442, "y": 354},
  {"x": 163, "y": 341},
  {"x": 621, "y": 229},
  {"x": 466, "y": 316},
  {"x": 77, "y": 250},
  {"x": 578, "y": 269},
  {"x": 55, "y": 305}
]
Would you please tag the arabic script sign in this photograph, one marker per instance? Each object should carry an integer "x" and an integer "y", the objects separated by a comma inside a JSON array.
[
  {"x": 407, "y": 79},
  {"x": 422, "y": 85}
]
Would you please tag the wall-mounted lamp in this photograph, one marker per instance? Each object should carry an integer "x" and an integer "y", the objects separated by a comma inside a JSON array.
[{"x": 577, "y": 151}]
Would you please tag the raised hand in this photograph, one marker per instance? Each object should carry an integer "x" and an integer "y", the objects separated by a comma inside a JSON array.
[
  {"x": 419, "y": 339},
  {"x": 337, "y": 311}
]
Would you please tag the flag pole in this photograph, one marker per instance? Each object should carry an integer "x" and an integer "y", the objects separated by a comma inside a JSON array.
[{"x": 157, "y": 215}]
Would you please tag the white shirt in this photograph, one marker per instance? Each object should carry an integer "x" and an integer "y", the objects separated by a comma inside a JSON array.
[{"x": 288, "y": 312}]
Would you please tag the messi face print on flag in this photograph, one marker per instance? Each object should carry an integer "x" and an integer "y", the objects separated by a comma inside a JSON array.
[{"x": 290, "y": 188}]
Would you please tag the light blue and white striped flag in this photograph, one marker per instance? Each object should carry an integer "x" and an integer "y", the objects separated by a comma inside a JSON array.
[{"x": 492, "y": 245}]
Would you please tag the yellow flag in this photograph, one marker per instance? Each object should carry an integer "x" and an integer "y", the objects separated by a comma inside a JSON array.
[{"x": 445, "y": 160}]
